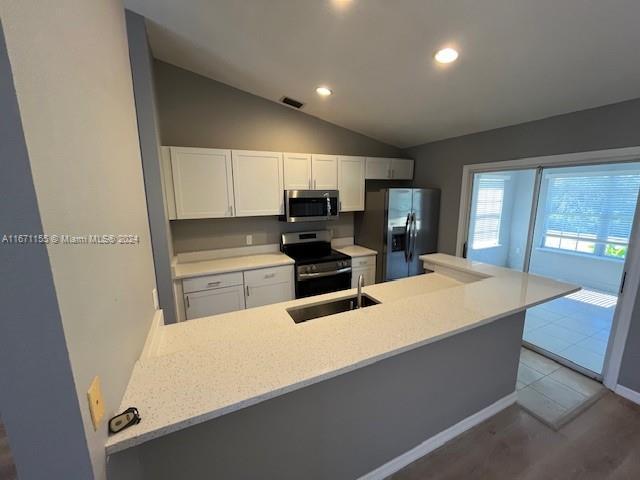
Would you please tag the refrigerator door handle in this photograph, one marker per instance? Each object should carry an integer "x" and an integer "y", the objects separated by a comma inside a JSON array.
[
  {"x": 407, "y": 237},
  {"x": 414, "y": 233}
]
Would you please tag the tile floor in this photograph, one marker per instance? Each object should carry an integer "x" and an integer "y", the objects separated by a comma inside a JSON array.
[
  {"x": 550, "y": 391},
  {"x": 575, "y": 327}
]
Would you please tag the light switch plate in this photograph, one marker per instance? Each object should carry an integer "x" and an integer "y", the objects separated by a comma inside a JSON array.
[
  {"x": 96, "y": 402},
  {"x": 249, "y": 239}
]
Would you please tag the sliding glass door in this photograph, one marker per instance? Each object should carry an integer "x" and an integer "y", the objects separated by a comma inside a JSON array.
[
  {"x": 571, "y": 223},
  {"x": 581, "y": 235}
]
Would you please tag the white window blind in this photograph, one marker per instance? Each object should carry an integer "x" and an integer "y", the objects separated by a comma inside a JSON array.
[
  {"x": 590, "y": 213},
  {"x": 488, "y": 212}
]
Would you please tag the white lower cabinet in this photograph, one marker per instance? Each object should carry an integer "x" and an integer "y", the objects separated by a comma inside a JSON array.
[
  {"x": 213, "y": 302},
  {"x": 268, "y": 285},
  {"x": 365, "y": 266},
  {"x": 214, "y": 294}
]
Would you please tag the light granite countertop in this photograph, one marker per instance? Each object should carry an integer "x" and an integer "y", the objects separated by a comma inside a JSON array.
[
  {"x": 230, "y": 264},
  {"x": 355, "y": 251},
  {"x": 208, "y": 367}
]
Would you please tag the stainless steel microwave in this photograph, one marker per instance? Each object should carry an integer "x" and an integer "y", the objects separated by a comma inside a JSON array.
[{"x": 311, "y": 205}]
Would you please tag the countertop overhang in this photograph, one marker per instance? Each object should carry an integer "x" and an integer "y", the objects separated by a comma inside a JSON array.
[{"x": 205, "y": 368}]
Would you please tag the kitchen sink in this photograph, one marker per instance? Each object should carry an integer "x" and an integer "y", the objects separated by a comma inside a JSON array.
[{"x": 309, "y": 312}]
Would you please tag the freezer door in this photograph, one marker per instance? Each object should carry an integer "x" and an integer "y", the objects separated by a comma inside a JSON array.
[
  {"x": 398, "y": 221},
  {"x": 423, "y": 226}
]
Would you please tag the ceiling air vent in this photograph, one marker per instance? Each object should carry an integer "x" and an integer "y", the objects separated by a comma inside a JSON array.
[{"x": 291, "y": 102}]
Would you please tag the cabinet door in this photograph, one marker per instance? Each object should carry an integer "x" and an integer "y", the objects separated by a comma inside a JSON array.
[
  {"x": 351, "y": 183},
  {"x": 297, "y": 171},
  {"x": 213, "y": 302},
  {"x": 401, "y": 169},
  {"x": 257, "y": 183},
  {"x": 324, "y": 170},
  {"x": 369, "y": 274},
  {"x": 268, "y": 285},
  {"x": 378, "y": 168},
  {"x": 202, "y": 182}
]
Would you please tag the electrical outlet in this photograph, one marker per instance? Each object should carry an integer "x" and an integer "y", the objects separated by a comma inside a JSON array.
[
  {"x": 156, "y": 302},
  {"x": 249, "y": 239},
  {"x": 96, "y": 402}
]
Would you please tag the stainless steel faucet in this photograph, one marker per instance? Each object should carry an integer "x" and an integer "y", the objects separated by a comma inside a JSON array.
[{"x": 360, "y": 285}]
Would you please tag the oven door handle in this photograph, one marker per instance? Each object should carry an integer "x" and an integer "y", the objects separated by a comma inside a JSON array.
[{"x": 309, "y": 276}]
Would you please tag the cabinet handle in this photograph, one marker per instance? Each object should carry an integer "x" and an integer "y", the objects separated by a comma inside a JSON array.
[
  {"x": 271, "y": 275},
  {"x": 340, "y": 203},
  {"x": 309, "y": 184},
  {"x": 213, "y": 284},
  {"x": 247, "y": 287},
  {"x": 188, "y": 304}
]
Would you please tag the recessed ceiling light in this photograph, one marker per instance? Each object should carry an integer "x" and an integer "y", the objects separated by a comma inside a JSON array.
[
  {"x": 446, "y": 55},
  {"x": 323, "y": 91}
]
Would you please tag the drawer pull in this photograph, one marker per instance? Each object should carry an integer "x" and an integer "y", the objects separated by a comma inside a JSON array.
[
  {"x": 213, "y": 284},
  {"x": 271, "y": 275}
]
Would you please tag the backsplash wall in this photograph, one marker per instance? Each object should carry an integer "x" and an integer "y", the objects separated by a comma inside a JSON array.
[{"x": 214, "y": 233}]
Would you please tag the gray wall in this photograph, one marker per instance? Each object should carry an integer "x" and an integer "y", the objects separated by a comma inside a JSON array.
[
  {"x": 347, "y": 426},
  {"x": 37, "y": 393},
  {"x": 145, "y": 98},
  {"x": 440, "y": 164},
  {"x": 630, "y": 370},
  {"x": 75, "y": 94},
  {"x": 192, "y": 235},
  {"x": 196, "y": 111}
]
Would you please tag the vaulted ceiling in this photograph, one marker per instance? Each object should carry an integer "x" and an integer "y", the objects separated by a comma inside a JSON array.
[{"x": 519, "y": 60}]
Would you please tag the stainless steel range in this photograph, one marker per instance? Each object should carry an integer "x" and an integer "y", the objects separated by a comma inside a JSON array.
[{"x": 319, "y": 268}]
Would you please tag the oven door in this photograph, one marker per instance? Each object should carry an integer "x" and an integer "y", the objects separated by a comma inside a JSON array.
[
  {"x": 311, "y": 205},
  {"x": 322, "y": 283}
]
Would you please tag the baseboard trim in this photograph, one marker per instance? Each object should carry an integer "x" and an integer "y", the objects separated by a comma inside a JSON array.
[
  {"x": 628, "y": 393},
  {"x": 440, "y": 439}
]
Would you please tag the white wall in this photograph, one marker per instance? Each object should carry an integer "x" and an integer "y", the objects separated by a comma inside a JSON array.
[{"x": 73, "y": 82}]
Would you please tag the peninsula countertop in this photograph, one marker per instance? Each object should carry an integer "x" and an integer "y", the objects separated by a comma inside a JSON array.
[{"x": 205, "y": 368}]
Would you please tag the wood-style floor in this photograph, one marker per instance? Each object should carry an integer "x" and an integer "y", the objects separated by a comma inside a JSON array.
[
  {"x": 602, "y": 443},
  {"x": 7, "y": 468}
]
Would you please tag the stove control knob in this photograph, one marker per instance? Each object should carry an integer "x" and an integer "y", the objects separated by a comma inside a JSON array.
[{"x": 314, "y": 267}]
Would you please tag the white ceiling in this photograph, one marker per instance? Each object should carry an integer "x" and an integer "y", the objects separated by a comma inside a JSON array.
[{"x": 519, "y": 60}]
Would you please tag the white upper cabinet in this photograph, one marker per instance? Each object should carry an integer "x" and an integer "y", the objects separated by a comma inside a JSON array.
[
  {"x": 258, "y": 183},
  {"x": 202, "y": 181},
  {"x": 389, "y": 168},
  {"x": 351, "y": 183},
  {"x": 324, "y": 171},
  {"x": 401, "y": 169},
  {"x": 378, "y": 168},
  {"x": 297, "y": 171}
]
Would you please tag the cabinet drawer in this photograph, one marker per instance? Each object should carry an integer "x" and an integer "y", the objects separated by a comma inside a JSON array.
[
  {"x": 363, "y": 262},
  {"x": 265, "y": 276},
  {"x": 211, "y": 281}
]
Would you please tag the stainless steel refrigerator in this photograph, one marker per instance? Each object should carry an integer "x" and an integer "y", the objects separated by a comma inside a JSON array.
[{"x": 400, "y": 224}]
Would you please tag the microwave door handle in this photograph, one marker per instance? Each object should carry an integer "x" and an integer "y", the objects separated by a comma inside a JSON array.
[
  {"x": 328, "y": 206},
  {"x": 407, "y": 238}
]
